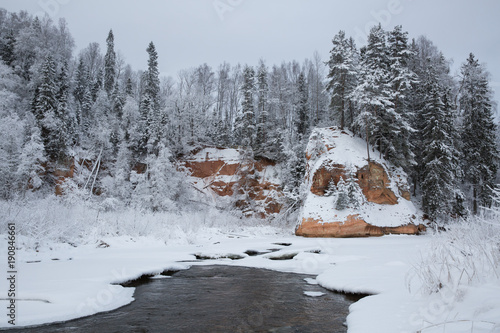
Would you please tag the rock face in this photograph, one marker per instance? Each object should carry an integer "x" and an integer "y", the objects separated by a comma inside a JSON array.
[
  {"x": 353, "y": 226},
  {"x": 383, "y": 207},
  {"x": 372, "y": 179},
  {"x": 225, "y": 175}
]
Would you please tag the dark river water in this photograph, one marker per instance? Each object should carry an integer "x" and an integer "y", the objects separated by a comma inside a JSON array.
[{"x": 219, "y": 299}]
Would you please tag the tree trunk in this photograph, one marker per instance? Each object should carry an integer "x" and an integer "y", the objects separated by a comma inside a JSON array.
[{"x": 367, "y": 139}]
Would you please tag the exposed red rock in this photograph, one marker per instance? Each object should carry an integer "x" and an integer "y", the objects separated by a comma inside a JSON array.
[
  {"x": 372, "y": 179},
  {"x": 375, "y": 183},
  {"x": 354, "y": 226},
  {"x": 224, "y": 176},
  {"x": 203, "y": 169},
  {"x": 324, "y": 175}
]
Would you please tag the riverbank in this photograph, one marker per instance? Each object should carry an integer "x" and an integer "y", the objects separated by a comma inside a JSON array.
[{"x": 61, "y": 282}]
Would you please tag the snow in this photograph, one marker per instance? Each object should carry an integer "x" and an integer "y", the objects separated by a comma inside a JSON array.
[
  {"x": 337, "y": 145},
  {"x": 229, "y": 155},
  {"x": 83, "y": 280},
  {"x": 311, "y": 281},
  {"x": 314, "y": 293},
  {"x": 331, "y": 146}
]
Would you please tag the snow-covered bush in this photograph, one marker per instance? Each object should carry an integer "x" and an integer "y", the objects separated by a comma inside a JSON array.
[
  {"x": 41, "y": 222},
  {"x": 163, "y": 187}
]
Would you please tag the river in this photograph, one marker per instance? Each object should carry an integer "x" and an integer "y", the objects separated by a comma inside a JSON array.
[{"x": 219, "y": 299}]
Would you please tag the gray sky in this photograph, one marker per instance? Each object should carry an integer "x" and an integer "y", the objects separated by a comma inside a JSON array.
[{"x": 188, "y": 33}]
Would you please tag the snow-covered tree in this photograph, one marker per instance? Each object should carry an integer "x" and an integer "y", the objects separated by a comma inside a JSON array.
[
  {"x": 440, "y": 158},
  {"x": 110, "y": 64},
  {"x": 478, "y": 133},
  {"x": 245, "y": 121},
  {"x": 429, "y": 64},
  {"x": 263, "y": 123},
  {"x": 150, "y": 106},
  {"x": 52, "y": 124},
  {"x": 401, "y": 79},
  {"x": 348, "y": 194},
  {"x": 342, "y": 76},
  {"x": 302, "y": 117},
  {"x": 11, "y": 141},
  {"x": 163, "y": 187},
  {"x": 31, "y": 162},
  {"x": 373, "y": 92}
]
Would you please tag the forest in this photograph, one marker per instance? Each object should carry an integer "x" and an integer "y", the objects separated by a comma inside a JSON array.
[{"x": 395, "y": 92}]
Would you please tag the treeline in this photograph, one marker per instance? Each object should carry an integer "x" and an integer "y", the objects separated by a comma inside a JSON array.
[{"x": 397, "y": 94}]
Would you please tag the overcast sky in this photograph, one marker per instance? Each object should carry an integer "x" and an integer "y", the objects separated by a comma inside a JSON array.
[{"x": 188, "y": 33}]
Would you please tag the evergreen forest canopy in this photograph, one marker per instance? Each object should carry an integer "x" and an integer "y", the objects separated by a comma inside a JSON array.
[{"x": 397, "y": 94}]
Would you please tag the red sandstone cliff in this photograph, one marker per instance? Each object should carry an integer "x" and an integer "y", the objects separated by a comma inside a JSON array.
[
  {"x": 383, "y": 207},
  {"x": 251, "y": 185}
]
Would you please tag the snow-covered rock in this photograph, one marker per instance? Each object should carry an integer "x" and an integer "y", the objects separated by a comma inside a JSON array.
[{"x": 351, "y": 196}]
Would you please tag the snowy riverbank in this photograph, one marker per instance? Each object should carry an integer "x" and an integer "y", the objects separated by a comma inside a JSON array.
[{"x": 61, "y": 282}]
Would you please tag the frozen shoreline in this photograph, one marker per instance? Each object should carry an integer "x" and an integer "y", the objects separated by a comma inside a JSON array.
[{"x": 70, "y": 282}]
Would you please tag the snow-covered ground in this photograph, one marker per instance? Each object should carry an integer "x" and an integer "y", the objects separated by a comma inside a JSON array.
[{"x": 61, "y": 282}]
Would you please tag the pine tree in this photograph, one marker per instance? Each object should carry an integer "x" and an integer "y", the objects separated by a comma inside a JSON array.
[
  {"x": 81, "y": 82},
  {"x": 302, "y": 119},
  {"x": 342, "y": 76},
  {"x": 51, "y": 125},
  {"x": 97, "y": 85},
  {"x": 373, "y": 93},
  {"x": 118, "y": 101},
  {"x": 110, "y": 64},
  {"x": 342, "y": 199},
  {"x": 429, "y": 65},
  {"x": 150, "y": 127},
  {"x": 63, "y": 111},
  {"x": 263, "y": 128},
  {"x": 331, "y": 189},
  {"x": 478, "y": 133},
  {"x": 245, "y": 121},
  {"x": 354, "y": 193},
  {"x": 401, "y": 80},
  {"x": 129, "y": 90},
  {"x": 440, "y": 158},
  {"x": 7, "y": 49}
]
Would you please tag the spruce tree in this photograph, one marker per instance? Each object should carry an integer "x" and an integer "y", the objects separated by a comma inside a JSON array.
[
  {"x": 245, "y": 121},
  {"x": 97, "y": 85},
  {"x": 45, "y": 107},
  {"x": 479, "y": 133},
  {"x": 342, "y": 199},
  {"x": 7, "y": 49},
  {"x": 263, "y": 128},
  {"x": 150, "y": 106},
  {"x": 129, "y": 90},
  {"x": 81, "y": 81},
  {"x": 401, "y": 80},
  {"x": 109, "y": 65},
  {"x": 302, "y": 118},
  {"x": 440, "y": 158},
  {"x": 62, "y": 110},
  {"x": 429, "y": 65},
  {"x": 373, "y": 92},
  {"x": 341, "y": 76}
]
